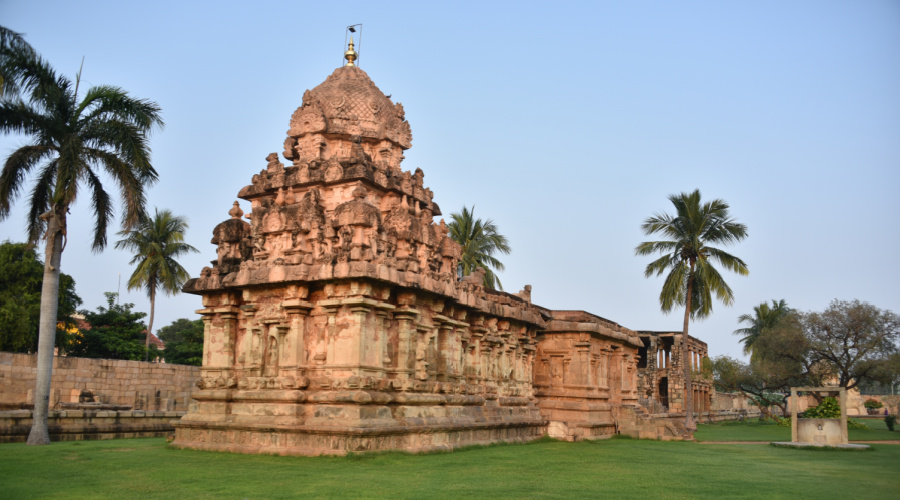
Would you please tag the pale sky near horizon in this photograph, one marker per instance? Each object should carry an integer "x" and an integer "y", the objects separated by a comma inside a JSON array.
[{"x": 567, "y": 123}]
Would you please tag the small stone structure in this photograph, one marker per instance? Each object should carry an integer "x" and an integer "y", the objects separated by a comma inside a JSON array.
[
  {"x": 820, "y": 432},
  {"x": 335, "y": 320},
  {"x": 661, "y": 373}
]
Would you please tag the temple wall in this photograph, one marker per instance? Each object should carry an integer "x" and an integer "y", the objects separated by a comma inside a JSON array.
[
  {"x": 359, "y": 365},
  {"x": 584, "y": 374},
  {"x": 135, "y": 384}
]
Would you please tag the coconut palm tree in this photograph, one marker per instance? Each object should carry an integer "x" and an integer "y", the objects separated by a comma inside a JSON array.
[
  {"x": 480, "y": 241},
  {"x": 763, "y": 317},
  {"x": 72, "y": 140},
  {"x": 156, "y": 242},
  {"x": 688, "y": 257}
]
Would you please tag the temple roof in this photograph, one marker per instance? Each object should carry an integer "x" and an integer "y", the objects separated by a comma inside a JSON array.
[{"x": 349, "y": 103}]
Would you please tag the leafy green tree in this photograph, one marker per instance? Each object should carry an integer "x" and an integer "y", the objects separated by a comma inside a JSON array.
[
  {"x": 73, "y": 139},
  {"x": 480, "y": 241},
  {"x": 763, "y": 317},
  {"x": 156, "y": 242},
  {"x": 116, "y": 332},
  {"x": 688, "y": 257},
  {"x": 184, "y": 342},
  {"x": 850, "y": 343},
  {"x": 759, "y": 380},
  {"x": 21, "y": 272}
]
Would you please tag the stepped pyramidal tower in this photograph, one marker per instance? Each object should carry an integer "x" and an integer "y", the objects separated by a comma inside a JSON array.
[{"x": 334, "y": 317}]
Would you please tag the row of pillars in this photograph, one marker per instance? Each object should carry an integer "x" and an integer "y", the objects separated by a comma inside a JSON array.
[{"x": 449, "y": 351}]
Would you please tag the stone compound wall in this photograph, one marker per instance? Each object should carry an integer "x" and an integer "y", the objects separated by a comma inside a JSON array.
[
  {"x": 79, "y": 425},
  {"x": 135, "y": 384}
]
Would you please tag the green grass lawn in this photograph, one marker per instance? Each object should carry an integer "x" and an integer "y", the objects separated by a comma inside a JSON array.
[
  {"x": 618, "y": 468},
  {"x": 754, "y": 430}
]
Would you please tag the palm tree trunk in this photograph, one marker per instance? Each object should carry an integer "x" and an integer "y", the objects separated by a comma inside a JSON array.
[
  {"x": 685, "y": 360},
  {"x": 47, "y": 333},
  {"x": 150, "y": 326}
]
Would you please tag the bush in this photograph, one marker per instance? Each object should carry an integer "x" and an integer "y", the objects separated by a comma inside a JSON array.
[
  {"x": 830, "y": 408},
  {"x": 872, "y": 403},
  {"x": 890, "y": 420},
  {"x": 854, "y": 424}
]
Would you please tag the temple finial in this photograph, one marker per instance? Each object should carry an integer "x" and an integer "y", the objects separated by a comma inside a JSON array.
[{"x": 350, "y": 55}]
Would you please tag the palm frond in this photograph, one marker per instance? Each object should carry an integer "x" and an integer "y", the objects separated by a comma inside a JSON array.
[
  {"x": 102, "y": 207},
  {"x": 17, "y": 166}
]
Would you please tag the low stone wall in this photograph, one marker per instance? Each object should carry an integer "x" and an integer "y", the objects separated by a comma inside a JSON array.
[
  {"x": 78, "y": 425},
  {"x": 730, "y": 401},
  {"x": 135, "y": 384}
]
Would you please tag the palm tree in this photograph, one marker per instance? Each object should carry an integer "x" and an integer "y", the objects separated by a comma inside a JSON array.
[
  {"x": 687, "y": 256},
  {"x": 156, "y": 243},
  {"x": 72, "y": 141},
  {"x": 479, "y": 240},
  {"x": 11, "y": 42},
  {"x": 763, "y": 317}
]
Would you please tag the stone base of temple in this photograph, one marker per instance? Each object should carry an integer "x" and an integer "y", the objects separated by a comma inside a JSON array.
[
  {"x": 337, "y": 429},
  {"x": 313, "y": 442},
  {"x": 573, "y": 420}
]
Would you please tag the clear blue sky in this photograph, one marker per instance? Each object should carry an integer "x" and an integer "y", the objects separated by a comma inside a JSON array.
[{"x": 567, "y": 123}]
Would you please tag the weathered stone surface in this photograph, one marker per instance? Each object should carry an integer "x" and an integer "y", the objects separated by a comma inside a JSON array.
[
  {"x": 661, "y": 372},
  {"x": 584, "y": 374}
]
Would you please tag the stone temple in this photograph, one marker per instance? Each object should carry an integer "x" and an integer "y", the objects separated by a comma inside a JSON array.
[{"x": 335, "y": 320}]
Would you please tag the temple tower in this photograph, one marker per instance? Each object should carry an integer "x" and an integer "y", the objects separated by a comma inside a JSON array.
[{"x": 334, "y": 317}]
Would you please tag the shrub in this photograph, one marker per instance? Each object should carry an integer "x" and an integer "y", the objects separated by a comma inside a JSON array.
[
  {"x": 830, "y": 408},
  {"x": 890, "y": 420},
  {"x": 872, "y": 403},
  {"x": 854, "y": 424}
]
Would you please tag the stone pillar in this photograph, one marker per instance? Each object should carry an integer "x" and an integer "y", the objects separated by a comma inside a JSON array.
[
  {"x": 405, "y": 341},
  {"x": 294, "y": 347},
  {"x": 443, "y": 347},
  {"x": 583, "y": 352},
  {"x": 475, "y": 363},
  {"x": 382, "y": 313},
  {"x": 364, "y": 336}
]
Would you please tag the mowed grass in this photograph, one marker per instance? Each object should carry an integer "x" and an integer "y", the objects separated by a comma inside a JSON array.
[
  {"x": 617, "y": 468},
  {"x": 755, "y": 430}
]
